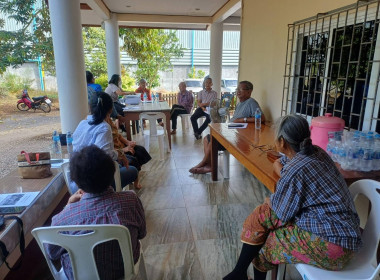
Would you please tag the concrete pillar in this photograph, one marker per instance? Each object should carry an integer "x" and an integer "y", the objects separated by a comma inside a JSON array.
[
  {"x": 216, "y": 53},
  {"x": 66, "y": 29},
  {"x": 112, "y": 46}
]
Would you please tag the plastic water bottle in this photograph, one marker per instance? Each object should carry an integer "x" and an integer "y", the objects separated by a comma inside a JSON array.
[
  {"x": 356, "y": 151},
  {"x": 153, "y": 97},
  {"x": 330, "y": 144},
  {"x": 376, "y": 153},
  {"x": 56, "y": 150},
  {"x": 368, "y": 153},
  {"x": 69, "y": 143},
  {"x": 157, "y": 97},
  {"x": 258, "y": 119},
  {"x": 145, "y": 97}
]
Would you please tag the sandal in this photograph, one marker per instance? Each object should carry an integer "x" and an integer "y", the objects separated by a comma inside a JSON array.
[{"x": 173, "y": 132}]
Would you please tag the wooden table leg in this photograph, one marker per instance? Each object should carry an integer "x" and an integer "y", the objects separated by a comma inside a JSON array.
[
  {"x": 134, "y": 127},
  {"x": 214, "y": 159},
  {"x": 127, "y": 125},
  {"x": 167, "y": 115}
]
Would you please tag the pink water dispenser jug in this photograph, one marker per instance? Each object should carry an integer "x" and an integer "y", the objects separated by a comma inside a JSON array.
[{"x": 320, "y": 126}]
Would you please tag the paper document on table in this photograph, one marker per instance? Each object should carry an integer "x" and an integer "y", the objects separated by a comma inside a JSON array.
[
  {"x": 17, "y": 199},
  {"x": 131, "y": 108},
  {"x": 57, "y": 163},
  {"x": 237, "y": 125}
]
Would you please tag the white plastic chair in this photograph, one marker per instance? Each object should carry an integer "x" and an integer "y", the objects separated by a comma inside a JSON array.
[
  {"x": 80, "y": 248},
  {"x": 117, "y": 177},
  {"x": 154, "y": 131},
  {"x": 364, "y": 265},
  {"x": 226, "y": 164},
  {"x": 185, "y": 118},
  {"x": 66, "y": 175}
]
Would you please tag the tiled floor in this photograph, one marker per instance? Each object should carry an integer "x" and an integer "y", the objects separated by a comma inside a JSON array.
[{"x": 194, "y": 223}]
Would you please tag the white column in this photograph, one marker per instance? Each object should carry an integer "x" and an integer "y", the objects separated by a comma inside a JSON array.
[
  {"x": 69, "y": 62},
  {"x": 112, "y": 46},
  {"x": 216, "y": 53}
]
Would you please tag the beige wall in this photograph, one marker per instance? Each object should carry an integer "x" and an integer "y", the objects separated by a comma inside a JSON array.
[{"x": 264, "y": 31}]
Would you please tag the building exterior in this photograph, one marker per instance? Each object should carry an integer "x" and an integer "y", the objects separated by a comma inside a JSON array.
[{"x": 196, "y": 45}]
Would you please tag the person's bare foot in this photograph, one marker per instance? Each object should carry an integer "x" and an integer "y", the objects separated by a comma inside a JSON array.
[
  {"x": 161, "y": 124},
  {"x": 202, "y": 170},
  {"x": 173, "y": 131},
  {"x": 201, "y": 164}
]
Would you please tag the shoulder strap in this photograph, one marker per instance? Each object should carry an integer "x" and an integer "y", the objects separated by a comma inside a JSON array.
[{"x": 4, "y": 250}]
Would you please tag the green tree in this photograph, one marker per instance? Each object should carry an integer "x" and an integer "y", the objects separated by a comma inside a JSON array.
[
  {"x": 194, "y": 74},
  {"x": 153, "y": 49},
  {"x": 32, "y": 40},
  {"x": 94, "y": 44}
]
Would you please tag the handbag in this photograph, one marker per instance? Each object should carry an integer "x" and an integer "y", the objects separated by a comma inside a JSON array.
[{"x": 34, "y": 165}]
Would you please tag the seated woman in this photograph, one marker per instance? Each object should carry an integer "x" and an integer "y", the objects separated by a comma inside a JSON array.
[
  {"x": 143, "y": 89},
  {"x": 310, "y": 218},
  {"x": 185, "y": 104},
  {"x": 95, "y": 130},
  {"x": 128, "y": 151},
  {"x": 97, "y": 203},
  {"x": 114, "y": 90}
]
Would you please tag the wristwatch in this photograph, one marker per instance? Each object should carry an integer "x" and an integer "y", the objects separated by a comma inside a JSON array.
[{"x": 245, "y": 119}]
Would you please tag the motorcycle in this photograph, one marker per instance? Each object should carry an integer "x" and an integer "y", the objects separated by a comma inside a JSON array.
[{"x": 40, "y": 102}]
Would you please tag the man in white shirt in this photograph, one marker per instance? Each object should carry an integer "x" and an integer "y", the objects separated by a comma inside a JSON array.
[
  {"x": 204, "y": 99},
  {"x": 244, "y": 113}
]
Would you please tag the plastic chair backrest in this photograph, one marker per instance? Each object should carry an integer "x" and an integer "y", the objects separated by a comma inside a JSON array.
[
  {"x": 117, "y": 178},
  {"x": 66, "y": 175},
  {"x": 152, "y": 117},
  {"x": 371, "y": 233},
  {"x": 80, "y": 246}
]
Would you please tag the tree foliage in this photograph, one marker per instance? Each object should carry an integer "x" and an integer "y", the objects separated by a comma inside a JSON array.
[
  {"x": 94, "y": 43},
  {"x": 31, "y": 40},
  {"x": 194, "y": 74},
  {"x": 153, "y": 49}
]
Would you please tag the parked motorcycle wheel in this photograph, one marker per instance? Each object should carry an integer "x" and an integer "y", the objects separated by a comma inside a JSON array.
[
  {"x": 22, "y": 107},
  {"x": 45, "y": 107}
]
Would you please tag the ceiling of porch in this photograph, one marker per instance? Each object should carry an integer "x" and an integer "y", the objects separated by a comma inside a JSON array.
[{"x": 170, "y": 14}]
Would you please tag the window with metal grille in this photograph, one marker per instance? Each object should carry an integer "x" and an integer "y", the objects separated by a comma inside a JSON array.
[{"x": 333, "y": 66}]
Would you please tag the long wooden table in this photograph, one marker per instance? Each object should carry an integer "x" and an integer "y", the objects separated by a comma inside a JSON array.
[
  {"x": 132, "y": 113},
  {"x": 52, "y": 190},
  {"x": 246, "y": 146},
  {"x": 241, "y": 144}
]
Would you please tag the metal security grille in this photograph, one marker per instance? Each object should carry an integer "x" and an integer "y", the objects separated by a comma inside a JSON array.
[{"x": 333, "y": 66}]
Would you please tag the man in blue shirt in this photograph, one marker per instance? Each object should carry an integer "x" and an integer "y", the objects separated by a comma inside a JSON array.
[{"x": 91, "y": 86}]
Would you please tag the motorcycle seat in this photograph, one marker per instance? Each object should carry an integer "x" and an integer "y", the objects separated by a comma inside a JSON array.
[{"x": 38, "y": 98}]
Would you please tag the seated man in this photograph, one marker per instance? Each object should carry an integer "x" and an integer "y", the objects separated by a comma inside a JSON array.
[
  {"x": 244, "y": 112},
  {"x": 91, "y": 86},
  {"x": 97, "y": 203},
  {"x": 185, "y": 104},
  {"x": 204, "y": 99}
]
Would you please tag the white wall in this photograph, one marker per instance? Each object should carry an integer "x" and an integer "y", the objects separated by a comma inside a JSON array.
[{"x": 264, "y": 29}]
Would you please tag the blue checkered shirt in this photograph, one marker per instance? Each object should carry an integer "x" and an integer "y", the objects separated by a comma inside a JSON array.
[
  {"x": 312, "y": 193},
  {"x": 109, "y": 207}
]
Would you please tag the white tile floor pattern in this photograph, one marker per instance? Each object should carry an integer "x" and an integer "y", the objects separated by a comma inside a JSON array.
[{"x": 194, "y": 223}]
